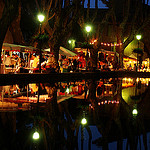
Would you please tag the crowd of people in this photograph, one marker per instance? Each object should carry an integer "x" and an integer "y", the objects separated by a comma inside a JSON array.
[{"x": 29, "y": 63}]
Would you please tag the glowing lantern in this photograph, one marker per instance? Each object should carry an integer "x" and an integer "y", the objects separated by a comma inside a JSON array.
[
  {"x": 83, "y": 121},
  {"x": 36, "y": 135}
]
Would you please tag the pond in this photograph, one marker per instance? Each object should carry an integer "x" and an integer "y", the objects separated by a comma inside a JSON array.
[{"x": 116, "y": 114}]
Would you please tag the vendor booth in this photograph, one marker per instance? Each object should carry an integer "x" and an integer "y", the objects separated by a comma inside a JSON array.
[
  {"x": 131, "y": 61},
  {"x": 12, "y": 53},
  {"x": 65, "y": 58}
]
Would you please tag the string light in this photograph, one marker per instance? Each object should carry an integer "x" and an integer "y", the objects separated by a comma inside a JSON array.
[
  {"x": 93, "y": 41},
  {"x": 111, "y": 44},
  {"x": 105, "y": 102}
]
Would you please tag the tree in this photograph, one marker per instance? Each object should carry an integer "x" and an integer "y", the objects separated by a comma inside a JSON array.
[
  {"x": 128, "y": 19},
  {"x": 9, "y": 13},
  {"x": 15, "y": 28},
  {"x": 59, "y": 18},
  {"x": 119, "y": 22}
]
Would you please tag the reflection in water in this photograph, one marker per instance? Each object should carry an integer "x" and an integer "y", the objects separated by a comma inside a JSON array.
[{"x": 116, "y": 110}]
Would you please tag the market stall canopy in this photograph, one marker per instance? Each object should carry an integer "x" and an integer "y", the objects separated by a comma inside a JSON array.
[
  {"x": 108, "y": 52},
  {"x": 66, "y": 52},
  {"x": 11, "y": 47},
  {"x": 47, "y": 51},
  {"x": 62, "y": 51},
  {"x": 133, "y": 56},
  {"x": 129, "y": 58}
]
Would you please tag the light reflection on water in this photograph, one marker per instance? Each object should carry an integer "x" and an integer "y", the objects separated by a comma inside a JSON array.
[{"x": 107, "y": 116}]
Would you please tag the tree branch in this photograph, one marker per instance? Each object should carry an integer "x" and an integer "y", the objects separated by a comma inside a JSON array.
[
  {"x": 96, "y": 11},
  {"x": 107, "y": 3},
  {"x": 126, "y": 15}
]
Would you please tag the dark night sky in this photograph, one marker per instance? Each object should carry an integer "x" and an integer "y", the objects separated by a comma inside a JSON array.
[
  {"x": 92, "y": 4},
  {"x": 100, "y": 4}
]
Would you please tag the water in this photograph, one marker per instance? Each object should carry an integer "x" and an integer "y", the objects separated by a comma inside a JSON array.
[{"x": 57, "y": 114}]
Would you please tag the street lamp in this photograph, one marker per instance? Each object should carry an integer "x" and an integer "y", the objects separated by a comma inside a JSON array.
[
  {"x": 36, "y": 135},
  {"x": 138, "y": 37},
  {"x": 71, "y": 43},
  {"x": 88, "y": 29},
  {"x": 83, "y": 121},
  {"x": 41, "y": 18},
  {"x": 135, "y": 112}
]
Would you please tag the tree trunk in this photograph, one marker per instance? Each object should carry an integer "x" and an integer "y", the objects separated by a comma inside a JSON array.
[
  {"x": 120, "y": 48},
  {"x": 92, "y": 92},
  {"x": 93, "y": 58},
  {"x": 16, "y": 30},
  {"x": 53, "y": 118},
  {"x": 8, "y": 124},
  {"x": 55, "y": 51},
  {"x": 10, "y": 11},
  {"x": 121, "y": 53}
]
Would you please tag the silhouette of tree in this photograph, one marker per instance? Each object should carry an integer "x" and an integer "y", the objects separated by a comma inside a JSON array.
[
  {"x": 128, "y": 19},
  {"x": 10, "y": 11},
  {"x": 119, "y": 22}
]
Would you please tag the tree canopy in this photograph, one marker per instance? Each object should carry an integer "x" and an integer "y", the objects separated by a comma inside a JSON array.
[{"x": 120, "y": 22}]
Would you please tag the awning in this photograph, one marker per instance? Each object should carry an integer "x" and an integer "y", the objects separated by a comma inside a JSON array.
[
  {"x": 108, "y": 52},
  {"x": 62, "y": 51},
  {"x": 13, "y": 47},
  {"x": 66, "y": 52},
  {"x": 129, "y": 58},
  {"x": 133, "y": 56}
]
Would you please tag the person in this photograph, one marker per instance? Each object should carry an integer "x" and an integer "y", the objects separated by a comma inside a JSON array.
[
  {"x": 35, "y": 61},
  {"x": 16, "y": 60},
  {"x": 85, "y": 91},
  {"x": 100, "y": 88},
  {"x": 74, "y": 64},
  {"x": 111, "y": 66},
  {"x": 115, "y": 62},
  {"x": 101, "y": 56},
  {"x": 129, "y": 67},
  {"x": 57, "y": 68},
  {"x": 69, "y": 66},
  {"x": 50, "y": 60},
  {"x": 109, "y": 58},
  {"x": 43, "y": 59},
  {"x": 135, "y": 67},
  {"x": 8, "y": 61},
  {"x": 13, "y": 61}
]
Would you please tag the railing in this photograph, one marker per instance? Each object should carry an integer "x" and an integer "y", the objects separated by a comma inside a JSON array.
[{"x": 9, "y": 79}]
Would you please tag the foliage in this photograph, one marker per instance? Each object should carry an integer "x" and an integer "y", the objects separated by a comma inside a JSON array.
[
  {"x": 41, "y": 38},
  {"x": 138, "y": 50},
  {"x": 120, "y": 22},
  {"x": 136, "y": 97},
  {"x": 84, "y": 45}
]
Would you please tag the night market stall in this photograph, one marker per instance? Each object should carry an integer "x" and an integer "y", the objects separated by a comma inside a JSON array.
[{"x": 14, "y": 55}]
